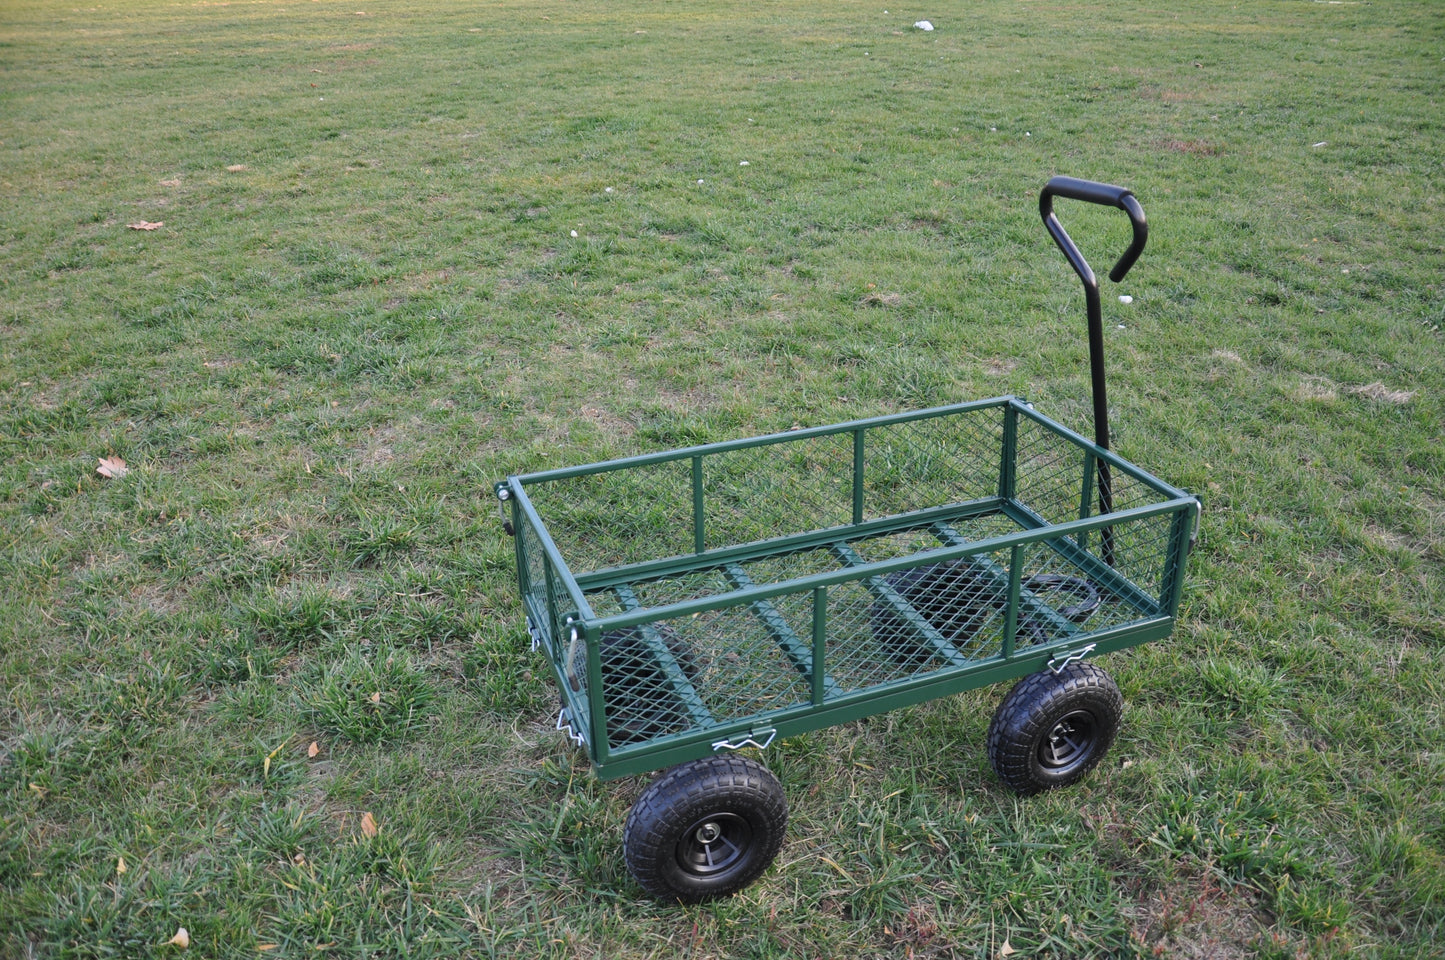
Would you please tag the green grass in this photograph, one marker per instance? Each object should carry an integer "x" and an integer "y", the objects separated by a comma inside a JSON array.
[{"x": 365, "y": 304}]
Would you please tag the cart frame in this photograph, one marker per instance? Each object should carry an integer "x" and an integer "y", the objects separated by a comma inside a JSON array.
[{"x": 562, "y": 620}]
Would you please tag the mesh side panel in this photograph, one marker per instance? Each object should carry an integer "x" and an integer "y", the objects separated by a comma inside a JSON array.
[
  {"x": 645, "y": 676},
  {"x": 1050, "y": 477},
  {"x": 916, "y": 621},
  {"x": 857, "y": 656},
  {"x": 908, "y": 542},
  {"x": 929, "y": 463},
  {"x": 756, "y": 493},
  {"x": 742, "y": 668},
  {"x": 1130, "y": 493},
  {"x": 1069, "y": 596},
  {"x": 691, "y": 586},
  {"x": 535, "y": 559},
  {"x": 1141, "y": 551},
  {"x": 1050, "y": 473},
  {"x": 790, "y": 566},
  {"x": 625, "y": 516}
]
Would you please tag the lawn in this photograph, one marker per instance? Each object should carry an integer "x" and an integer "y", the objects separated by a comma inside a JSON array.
[{"x": 320, "y": 273}]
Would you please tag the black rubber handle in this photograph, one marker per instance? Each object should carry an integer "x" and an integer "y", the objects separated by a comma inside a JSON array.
[
  {"x": 1104, "y": 194},
  {"x": 1108, "y": 195}
]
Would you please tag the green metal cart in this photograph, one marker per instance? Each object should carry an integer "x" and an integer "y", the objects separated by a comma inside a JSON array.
[{"x": 697, "y": 602}]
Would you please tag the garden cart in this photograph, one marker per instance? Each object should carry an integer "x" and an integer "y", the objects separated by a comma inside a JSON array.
[{"x": 697, "y": 602}]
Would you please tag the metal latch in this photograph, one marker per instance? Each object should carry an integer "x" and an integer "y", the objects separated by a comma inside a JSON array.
[
  {"x": 1057, "y": 666},
  {"x": 564, "y": 724},
  {"x": 751, "y": 740}
]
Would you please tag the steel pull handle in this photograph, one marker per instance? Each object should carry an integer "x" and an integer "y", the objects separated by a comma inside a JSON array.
[{"x": 1104, "y": 194}]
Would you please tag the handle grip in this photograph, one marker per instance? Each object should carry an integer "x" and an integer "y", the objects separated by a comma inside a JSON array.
[{"x": 1104, "y": 194}]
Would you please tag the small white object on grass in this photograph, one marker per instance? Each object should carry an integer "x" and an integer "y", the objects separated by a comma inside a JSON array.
[
  {"x": 1125, "y": 298},
  {"x": 743, "y": 163},
  {"x": 574, "y": 233},
  {"x": 699, "y": 183},
  {"x": 608, "y": 190},
  {"x": 923, "y": 25}
]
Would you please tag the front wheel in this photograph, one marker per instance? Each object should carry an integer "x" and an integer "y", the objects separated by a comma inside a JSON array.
[
  {"x": 705, "y": 829},
  {"x": 1053, "y": 728}
]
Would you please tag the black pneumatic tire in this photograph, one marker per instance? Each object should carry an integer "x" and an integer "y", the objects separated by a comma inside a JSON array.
[
  {"x": 1052, "y": 729},
  {"x": 705, "y": 829}
]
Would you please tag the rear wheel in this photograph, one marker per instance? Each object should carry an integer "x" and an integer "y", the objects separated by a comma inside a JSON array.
[
  {"x": 1053, "y": 728},
  {"x": 705, "y": 829}
]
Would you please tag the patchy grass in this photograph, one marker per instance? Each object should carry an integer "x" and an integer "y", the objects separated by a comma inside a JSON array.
[{"x": 365, "y": 302}]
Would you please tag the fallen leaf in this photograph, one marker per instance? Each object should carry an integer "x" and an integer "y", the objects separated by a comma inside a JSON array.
[
  {"x": 368, "y": 824},
  {"x": 313, "y": 750},
  {"x": 1006, "y": 950},
  {"x": 146, "y": 225},
  {"x": 120, "y": 866},
  {"x": 112, "y": 467},
  {"x": 236, "y": 168},
  {"x": 182, "y": 938},
  {"x": 376, "y": 697},
  {"x": 170, "y": 183},
  {"x": 263, "y": 947}
]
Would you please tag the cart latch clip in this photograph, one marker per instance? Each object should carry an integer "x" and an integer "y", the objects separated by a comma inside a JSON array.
[
  {"x": 768, "y": 733},
  {"x": 1058, "y": 665},
  {"x": 564, "y": 724}
]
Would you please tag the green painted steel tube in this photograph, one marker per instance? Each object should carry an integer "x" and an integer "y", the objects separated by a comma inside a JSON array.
[
  {"x": 1008, "y": 460},
  {"x": 858, "y": 473},
  {"x": 807, "y": 433},
  {"x": 817, "y": 539},
  {"x": 699, "y": 515},
  {"x": 884, "y": 567},
  {"x": 803, "y": 717},
  {"x": 820, "y": 644},
  {"x": 1011, "y": 612}
]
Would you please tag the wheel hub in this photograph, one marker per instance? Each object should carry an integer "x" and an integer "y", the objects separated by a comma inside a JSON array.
[
  {"x": 715, "y": 845},
  {"x": 1069, "y": 743}
]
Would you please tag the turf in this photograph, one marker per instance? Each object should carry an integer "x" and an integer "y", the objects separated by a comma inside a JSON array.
[{"x": 365, "y": 302}]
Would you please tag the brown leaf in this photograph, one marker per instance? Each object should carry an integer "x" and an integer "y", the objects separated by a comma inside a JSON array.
[
  {"x": 120, "y": 866},
  {"x": 313, "y": 750},
  {"x": 376, "y": 697},
  {"x": 146, "y": 225},
  {"x": 170, "y": 183},
  {"x": 1006, "y": 950},
  {"x": 236, "y": 168},
  {"x": 368, "y": 824},
  {"x": 112, "y": 467}
]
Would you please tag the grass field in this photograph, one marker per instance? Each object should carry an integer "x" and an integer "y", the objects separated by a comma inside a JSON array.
[{"x": 272, "y": 685}]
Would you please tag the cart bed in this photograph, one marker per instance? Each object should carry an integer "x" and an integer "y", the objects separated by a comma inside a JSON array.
[{"x": 701, "y": 599}]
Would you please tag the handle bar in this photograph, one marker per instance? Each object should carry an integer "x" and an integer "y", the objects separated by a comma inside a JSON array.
[{"x": 1106, "y": 195}]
